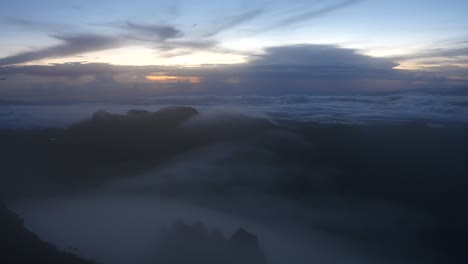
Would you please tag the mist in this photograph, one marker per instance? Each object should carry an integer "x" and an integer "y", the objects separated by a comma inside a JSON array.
[
  {"x": 108, "y": 186},
  {"x": 233, "y": 132}
]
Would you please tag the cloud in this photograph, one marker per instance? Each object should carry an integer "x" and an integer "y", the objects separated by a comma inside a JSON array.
[
  {"x": 234, "y": 21},
  {"x": 187, "y": 47},
  {"x": 321, "y": 55},
  {"x": 440, "y": 52},
  {"x": 311, "y": 14},
  {"x": 450, "y": 61},
  {"x": 28, "y": 24},
  {"x": 345, "y": 109},
  {"x": 72, "y": 45},
  {"x": 293, "y": 58},
  {"x": 152, "y": 32},
  {"x": 285, "y": 70},
  {"x": 316, "y": 69},
  {"x": 167, "y": 40},
  {"x": 76, "y": 69}
]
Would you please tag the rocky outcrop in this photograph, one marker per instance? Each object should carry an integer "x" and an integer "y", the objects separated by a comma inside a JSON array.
[
  {"x": 185, "y": 243},
  {"x": 170, "y": 115},
  {"x": 136, "y": 136}
]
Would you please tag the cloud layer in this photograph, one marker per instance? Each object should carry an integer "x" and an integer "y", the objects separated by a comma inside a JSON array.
[
  {"x": 392, "y": 109},
  {"x": 295, "y": 69}
]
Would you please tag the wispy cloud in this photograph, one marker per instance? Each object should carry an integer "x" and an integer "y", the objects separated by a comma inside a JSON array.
[
  {"x": 450, "y": 61},
  {"x": 439, "y": 52},
  {"x": 234, "y": 21},
  {"x": 166, "y": 40},
  {"x": 308, "y": 15},
  {"x": 32, "y": 25},
  {"x": 168, "y": 49}
]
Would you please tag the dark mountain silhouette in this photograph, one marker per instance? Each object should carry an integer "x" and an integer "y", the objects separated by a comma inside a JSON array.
[
  {"x": 109, "y": 145},
  {"x": 164, "y": 118},
  {"x": 185, "y": 243},
  {"x": 19, "y": 245}
]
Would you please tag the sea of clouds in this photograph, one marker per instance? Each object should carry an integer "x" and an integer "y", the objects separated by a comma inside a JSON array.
[{"x": 353, "y": 109}]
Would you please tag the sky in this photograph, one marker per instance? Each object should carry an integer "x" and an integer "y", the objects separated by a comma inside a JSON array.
[{"x": 94, "y": 50}]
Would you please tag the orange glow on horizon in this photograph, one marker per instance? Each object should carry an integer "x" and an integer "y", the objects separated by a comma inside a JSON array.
[{"x": 173, "y": 79}]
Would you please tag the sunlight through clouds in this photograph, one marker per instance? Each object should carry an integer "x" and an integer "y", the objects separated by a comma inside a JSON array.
[{"x": 173, "y": 79}]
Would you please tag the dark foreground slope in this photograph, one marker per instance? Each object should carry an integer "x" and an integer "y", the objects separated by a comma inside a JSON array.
[
  {"x": 19, "y": 245},
  {"x": 180, "y": 244}
]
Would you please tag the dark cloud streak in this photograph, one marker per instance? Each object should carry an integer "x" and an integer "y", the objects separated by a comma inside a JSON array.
[
  {"x": 234, "y": 21},
  {"x": 72, "y": 45},
  {"x": 153, "y": 32},
  {"x": 311, "y": 14}
]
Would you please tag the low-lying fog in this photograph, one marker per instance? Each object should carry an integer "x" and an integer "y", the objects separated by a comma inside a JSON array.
[
  {"x": 311, "y": 193},
  {"x": 123, "y": 229}
]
